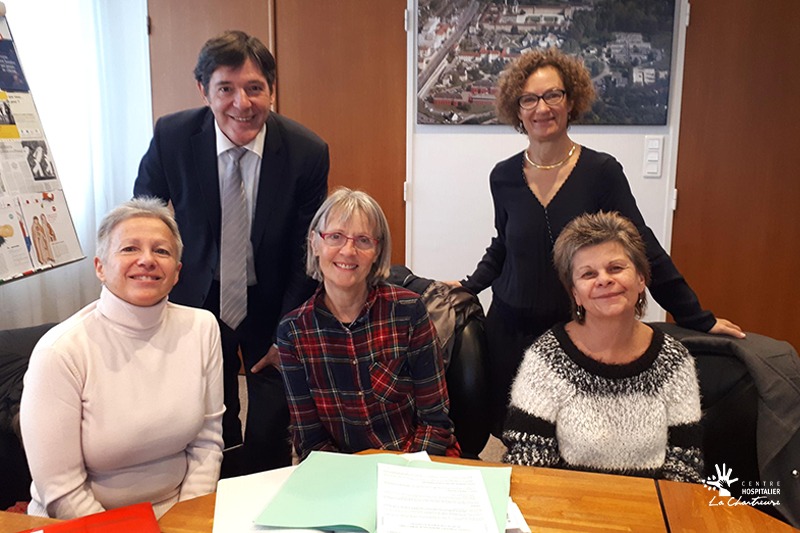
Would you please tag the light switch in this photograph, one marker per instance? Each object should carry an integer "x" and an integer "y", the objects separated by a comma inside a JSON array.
[{"x": 653, "y": 155}]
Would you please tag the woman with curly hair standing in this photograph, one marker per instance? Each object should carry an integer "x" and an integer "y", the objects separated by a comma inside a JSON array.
[{"x": 536, "y": 192}]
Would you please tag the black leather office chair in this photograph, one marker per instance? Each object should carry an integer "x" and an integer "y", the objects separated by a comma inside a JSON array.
[
  {"x": 16, "y": 346},
  {"x": 750, "y": 395},
  {"x": 458, "y": 317},
  {"x": 466, "y": 384}
]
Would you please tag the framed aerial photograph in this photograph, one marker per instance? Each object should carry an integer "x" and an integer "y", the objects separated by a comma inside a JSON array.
[{"x": 463, "y": 46}]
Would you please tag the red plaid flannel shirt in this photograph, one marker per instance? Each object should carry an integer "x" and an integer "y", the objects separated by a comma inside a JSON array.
[{"x": 376, "y": 383}]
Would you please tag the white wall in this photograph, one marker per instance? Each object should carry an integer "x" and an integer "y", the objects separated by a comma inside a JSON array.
[
  {"x": 87, "y": 63},
  {"x": 449, "y": 215}
]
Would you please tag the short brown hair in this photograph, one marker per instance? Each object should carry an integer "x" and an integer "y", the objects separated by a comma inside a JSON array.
[
  {"x": 598, "y": 228},
  {"x": 577, "y": 83}
]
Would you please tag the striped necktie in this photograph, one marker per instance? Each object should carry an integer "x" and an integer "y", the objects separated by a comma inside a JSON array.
[{"x": 233, "y": 247}]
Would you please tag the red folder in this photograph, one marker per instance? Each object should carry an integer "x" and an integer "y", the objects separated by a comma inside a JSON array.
[{"x": 138, "y": 518}]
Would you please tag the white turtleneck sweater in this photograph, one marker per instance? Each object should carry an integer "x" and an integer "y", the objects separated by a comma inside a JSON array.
[{"x": 123, "y": 404}]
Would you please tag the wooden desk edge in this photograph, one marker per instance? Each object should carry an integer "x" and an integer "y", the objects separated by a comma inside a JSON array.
[
  {"x": 684, "y": 505},
  {"x": 688, "y": 507}
]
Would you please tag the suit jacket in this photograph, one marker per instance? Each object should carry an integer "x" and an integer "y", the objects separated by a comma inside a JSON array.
[{"x": 181, "y": 166}]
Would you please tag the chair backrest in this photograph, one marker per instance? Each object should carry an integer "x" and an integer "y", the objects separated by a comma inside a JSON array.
[
  {"x": 467, "y": 385},
  {"x": 16, "y": 346},
  {"x": 730, "y": 412},
  {"x": 458, "y": 317},
  {"x": 730, "y": 405},
  {"x": 750, "y": 390}
]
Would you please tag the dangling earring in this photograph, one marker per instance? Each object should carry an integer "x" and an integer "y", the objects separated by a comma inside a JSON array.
[
  {"x": 580, "y": 313},
  {"x": 641, "y": 304}
]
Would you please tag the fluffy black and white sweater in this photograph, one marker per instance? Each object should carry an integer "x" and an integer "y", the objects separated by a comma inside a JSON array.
[{"x": 570, "y": 411}]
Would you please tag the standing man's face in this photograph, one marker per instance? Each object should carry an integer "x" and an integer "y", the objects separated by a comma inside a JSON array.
[{"x": 240, "y": 99}]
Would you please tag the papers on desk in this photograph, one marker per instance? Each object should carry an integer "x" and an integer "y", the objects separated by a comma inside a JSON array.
[
  {"x": 515, "y": 522},
  {"x": 240, "y": 499},
  {"x": 411, "y": 500},
  {"x": 339, "y": 492}
]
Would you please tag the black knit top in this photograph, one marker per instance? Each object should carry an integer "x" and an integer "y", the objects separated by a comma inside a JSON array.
[{"x": 518, "y": 263}]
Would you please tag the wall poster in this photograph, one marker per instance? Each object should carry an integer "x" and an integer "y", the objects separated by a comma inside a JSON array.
[
  {"x": 463, "y": 45},
  {"x": 36, "y": 230}
]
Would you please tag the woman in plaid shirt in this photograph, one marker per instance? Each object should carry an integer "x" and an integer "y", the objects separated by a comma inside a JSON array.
[{"x": 359, "y": 359}]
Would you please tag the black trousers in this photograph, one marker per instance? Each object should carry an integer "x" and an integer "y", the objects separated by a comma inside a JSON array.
[
  {"x": 509, "y": 333},
  {"x": 266, "y": 443}
]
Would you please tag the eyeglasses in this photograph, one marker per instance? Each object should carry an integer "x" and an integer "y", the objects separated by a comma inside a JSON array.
[
  {"x": 338, "y": 239},
  {"x": 551, "y": 98}
]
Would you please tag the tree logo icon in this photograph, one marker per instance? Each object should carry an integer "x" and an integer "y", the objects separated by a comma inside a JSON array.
[{"x": 722, "y": 481}]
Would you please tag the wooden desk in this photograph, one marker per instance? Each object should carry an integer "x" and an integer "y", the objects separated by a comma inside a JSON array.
[
  {"x": 551, "y": 501},
  {"x": 686, "y": 506},
  {"x": 192, "y": 516},
  {"x": 13, "y": 522},
  {"x": 558, "y": 500},
  {"x": 566, "y": 501}
]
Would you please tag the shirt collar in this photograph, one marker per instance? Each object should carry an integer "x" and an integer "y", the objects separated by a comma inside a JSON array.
[
  {"x": 319, "y": 303},
  {"x": 224, "y": 144}
]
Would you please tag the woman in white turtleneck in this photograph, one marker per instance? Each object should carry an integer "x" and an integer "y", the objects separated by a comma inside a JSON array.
[{"x": 122, "y": 401}]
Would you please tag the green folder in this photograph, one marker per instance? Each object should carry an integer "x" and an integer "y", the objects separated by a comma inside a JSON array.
[{"x": 338, "y": 492}]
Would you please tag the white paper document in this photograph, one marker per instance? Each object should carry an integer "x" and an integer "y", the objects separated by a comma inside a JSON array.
[
  {"x": 515, "y": 522},
  {"x": 239, "y": 500},
  {"x": 411, "y": 500}
]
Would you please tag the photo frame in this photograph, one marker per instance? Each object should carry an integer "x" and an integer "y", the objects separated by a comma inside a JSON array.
[{"x": 464, "y": 45}]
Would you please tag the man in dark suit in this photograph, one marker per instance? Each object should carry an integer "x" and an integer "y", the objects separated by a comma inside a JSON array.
[{"x": 284, "y": 176}]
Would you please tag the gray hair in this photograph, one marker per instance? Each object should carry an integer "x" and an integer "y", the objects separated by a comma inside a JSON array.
[
  {"x": 142, "y": 206},
  {"x": 343, "y": 203},
  {"x": 599, "y": 228}
]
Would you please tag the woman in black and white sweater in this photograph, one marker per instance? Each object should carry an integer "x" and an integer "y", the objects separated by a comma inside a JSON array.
[{"x": 606, "y": 392}]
